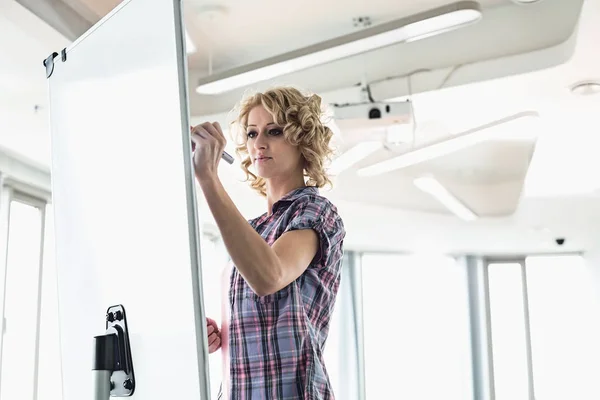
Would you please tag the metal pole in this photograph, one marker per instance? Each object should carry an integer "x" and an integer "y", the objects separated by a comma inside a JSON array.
[
  {"x": 101, "y": 384},
  {"x": 481, "y": 340}
]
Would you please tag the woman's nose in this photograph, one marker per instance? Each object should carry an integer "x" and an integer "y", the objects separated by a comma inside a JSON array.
[{"x": 260, "y": 142}]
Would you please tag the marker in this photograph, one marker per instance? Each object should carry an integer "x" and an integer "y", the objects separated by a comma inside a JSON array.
[{"x": 227, "y": 157}]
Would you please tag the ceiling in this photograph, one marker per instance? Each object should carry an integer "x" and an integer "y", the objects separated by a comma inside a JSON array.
[
  {"x": 517, "y": 58},
  {"x": 233, "y": 34}
]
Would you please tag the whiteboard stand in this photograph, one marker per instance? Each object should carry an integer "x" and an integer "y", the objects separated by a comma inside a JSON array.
[{"x": 113, "y": 364}]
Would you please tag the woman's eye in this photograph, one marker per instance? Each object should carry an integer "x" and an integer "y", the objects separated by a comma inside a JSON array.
[
  {"x": 275, "y": 132},
  {"x": 251, "y": 134}
]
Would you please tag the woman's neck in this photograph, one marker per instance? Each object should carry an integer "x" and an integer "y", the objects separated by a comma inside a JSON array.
[{"x": 276, "y": 190}]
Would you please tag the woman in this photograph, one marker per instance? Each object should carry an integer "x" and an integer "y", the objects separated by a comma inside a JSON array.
[{"x": 288, "y": 260}]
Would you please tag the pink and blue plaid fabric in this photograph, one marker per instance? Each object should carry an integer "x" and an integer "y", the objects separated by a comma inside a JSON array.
[{"x": 276, "y": 341}]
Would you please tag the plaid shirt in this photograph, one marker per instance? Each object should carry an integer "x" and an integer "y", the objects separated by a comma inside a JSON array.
[{"x": 276, "y": 341}]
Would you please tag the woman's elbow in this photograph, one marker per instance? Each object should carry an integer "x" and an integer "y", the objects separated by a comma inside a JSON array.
[
  {"x": 263, "y": 290},
  {"x": 270, "y": 285}
]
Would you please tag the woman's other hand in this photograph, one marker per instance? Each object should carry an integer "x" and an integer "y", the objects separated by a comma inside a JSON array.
[{"x": 214, "y": 335}]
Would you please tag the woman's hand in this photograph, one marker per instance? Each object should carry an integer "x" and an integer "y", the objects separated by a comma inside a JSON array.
[
  {"x": 209, "y": 145},
  {"x": 214, "y": 335}
]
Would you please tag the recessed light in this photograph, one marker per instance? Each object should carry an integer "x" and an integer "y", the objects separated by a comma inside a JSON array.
[{"x": 586, "y": 88}]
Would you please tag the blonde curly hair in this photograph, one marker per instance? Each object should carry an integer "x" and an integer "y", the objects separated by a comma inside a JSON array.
[{"x": 300, "y": 116}]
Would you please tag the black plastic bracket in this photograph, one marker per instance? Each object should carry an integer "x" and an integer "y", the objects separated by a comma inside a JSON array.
[
  {"x": 112, "y": 352},
  {"x": 49, "y": 64}
]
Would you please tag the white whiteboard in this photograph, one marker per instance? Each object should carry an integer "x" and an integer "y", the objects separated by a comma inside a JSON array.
[{"x": 126, "y": 223}]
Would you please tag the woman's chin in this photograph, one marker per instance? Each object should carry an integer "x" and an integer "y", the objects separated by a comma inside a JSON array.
[
  {"x": 264, "y": 171},
  {"x": 264, "y": 174}
]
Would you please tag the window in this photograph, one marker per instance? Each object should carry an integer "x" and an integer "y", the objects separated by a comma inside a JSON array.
[
  {"x": 21, "y": 296},
  {"x": 544, "y": 326},
  {"x": 213, "y": 262},
  {"x": 509, "y": 331},
  {"x": 564, "y": 328},
  {"x": 416, "y": 328},
  {"x": 50, "y": 376},
  {"x": 340, "y": 348}
]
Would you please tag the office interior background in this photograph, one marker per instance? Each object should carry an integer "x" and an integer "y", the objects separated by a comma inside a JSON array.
[{"x": 469, "y": 273}]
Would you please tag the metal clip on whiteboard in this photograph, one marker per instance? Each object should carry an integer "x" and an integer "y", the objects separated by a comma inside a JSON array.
[{"x": 113, "y": 365}]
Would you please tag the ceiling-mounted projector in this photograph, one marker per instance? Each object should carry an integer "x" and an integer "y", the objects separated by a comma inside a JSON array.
[{"x": 370, "y": 115}]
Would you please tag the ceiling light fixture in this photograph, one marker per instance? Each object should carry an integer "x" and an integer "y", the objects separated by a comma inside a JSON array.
[
  {"x": 430, "y": 185},
  {"x": 415, "y": 27},
  {"x": 586, "y": 88},
  {"x": 449, "y": 145}
]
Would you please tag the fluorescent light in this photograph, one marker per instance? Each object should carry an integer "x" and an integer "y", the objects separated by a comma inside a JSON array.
[
  {"x": 440, "y": 24},
  {"x": 454, "y": 143},
  {"x": 586, "y": 88},
  {"x": 354, "y": 155},
  {"x": 426, "y": 24},
  {"x": 431, "y": 186},
  {"x": 189, "y": 45}
]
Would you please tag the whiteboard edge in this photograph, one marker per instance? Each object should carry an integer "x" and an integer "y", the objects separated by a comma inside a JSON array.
[
  {"x": 108, "y": 16},
  {"x": 192, "y": 204}
]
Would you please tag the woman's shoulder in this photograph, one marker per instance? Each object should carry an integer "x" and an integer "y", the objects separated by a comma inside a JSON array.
[
  {"x": 313, "y": 210},
  {"x": 312, "y": 202},
  {"x": 305, "y": 204}
]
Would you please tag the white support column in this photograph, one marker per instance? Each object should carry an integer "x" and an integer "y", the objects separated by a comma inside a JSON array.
[
  {"x": 481, "y": 334},
  {"x": 527, "y": 331}
]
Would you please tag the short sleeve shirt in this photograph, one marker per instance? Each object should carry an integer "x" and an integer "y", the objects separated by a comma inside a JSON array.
[{"x": 276, "y": 341}]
